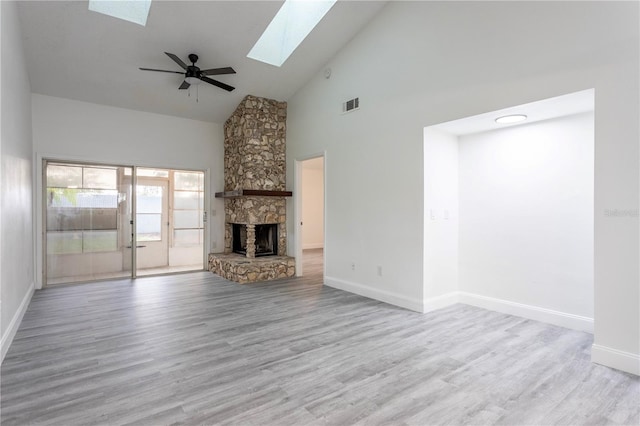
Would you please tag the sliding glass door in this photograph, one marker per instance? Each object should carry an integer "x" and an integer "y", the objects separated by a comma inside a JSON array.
[
  {"x": 98, "y": 227},
  {"x": 88, "y": 229}
]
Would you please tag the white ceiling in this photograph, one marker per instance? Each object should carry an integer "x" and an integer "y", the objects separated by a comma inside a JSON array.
[{"x": 75, "y": 53}]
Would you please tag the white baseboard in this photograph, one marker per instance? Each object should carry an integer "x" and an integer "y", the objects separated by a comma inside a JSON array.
[
  {"x": 562, "y": 319},
  {"x": 620, "y": 360},
  {"x": 376, "y": 294},
  {"x": 440, "y": 302},
  {"x": 310, "y": 246},
  {"x": 8, "y": 336}
]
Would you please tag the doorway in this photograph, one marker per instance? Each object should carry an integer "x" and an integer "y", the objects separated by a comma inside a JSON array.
[
  {"x": 310, "y": 241},
  {"x": 96, "y": 228},
  {"x": 152, "y": 211}
]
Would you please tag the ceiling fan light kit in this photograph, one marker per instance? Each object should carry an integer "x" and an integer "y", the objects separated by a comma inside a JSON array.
[{"x": 194, "y": 75}]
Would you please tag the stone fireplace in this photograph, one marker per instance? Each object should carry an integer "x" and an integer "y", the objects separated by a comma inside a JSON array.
[
  {"x": 254, "y": 194},
  {"x": 261, "y": 239}
]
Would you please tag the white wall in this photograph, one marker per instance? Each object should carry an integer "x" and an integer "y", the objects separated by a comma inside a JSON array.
[
  {"x": 16, "y": 223},
  {"x": 65, "y": 129},
  {"x": 526, "y": 214},
  {"x": 313, "y": 204},
  {"x": 441, "y": 214},
  {"x": 422, "y": 63}
]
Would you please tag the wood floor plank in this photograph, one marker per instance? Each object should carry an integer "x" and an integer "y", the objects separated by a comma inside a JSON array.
[{"x": 196, "y": 349}]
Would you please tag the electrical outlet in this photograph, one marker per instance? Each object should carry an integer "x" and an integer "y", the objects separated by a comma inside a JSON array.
[
  {"x": 379, "y": 270},
  {"x": 353, "y": 266}
]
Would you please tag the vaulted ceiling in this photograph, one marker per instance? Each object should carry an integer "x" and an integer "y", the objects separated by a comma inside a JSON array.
[{"x": 75, "y": 53}]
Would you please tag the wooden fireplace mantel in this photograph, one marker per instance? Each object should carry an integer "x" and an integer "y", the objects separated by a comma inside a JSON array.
[{"x": 254, "y": 193}]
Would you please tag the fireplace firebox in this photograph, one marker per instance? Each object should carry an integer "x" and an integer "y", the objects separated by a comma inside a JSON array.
[{"x": 255, "y": 240}]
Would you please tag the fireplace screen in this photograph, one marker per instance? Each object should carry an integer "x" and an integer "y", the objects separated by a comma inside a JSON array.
[{"x": 266, "y": 239}]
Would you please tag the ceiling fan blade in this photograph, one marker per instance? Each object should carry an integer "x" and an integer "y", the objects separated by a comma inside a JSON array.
[
  {"x": 177, "y": 60},
  {"x": 217, "y": 83},
  {"x": 151, "y": 69},
  {"x": 218, "y": 71},
  {"x": 184, "y": 85}
]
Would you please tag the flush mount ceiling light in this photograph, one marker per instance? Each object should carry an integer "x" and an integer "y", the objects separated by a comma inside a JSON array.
[
  {"x": 508, "y": 119},
  {"x": 292, "y": 24},
  {"x": 192, "y": 80},
  {"x": 135, "y": 11}
]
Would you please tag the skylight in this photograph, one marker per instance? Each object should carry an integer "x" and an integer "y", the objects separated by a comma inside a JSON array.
[
  {"x": 135, "y": 11},
  {"x": 293, "y": 22}
]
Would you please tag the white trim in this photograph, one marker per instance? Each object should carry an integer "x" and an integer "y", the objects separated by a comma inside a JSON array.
[
  {"x": 620, "y": 360},
  {"x": 562, "y": 319},
  {"x": 375, "y": 293},
  {"x": 442, "y": 301},
  {"x": 310, "y": 246},
  {"x": 8, "y": 336},
  {"x": 297, "y": 215},
  {"x": 297, "y": 209}
]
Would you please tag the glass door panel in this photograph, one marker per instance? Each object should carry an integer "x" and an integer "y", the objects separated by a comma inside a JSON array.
[
  {"x": 87, "y": 226},
  {"x": 187, "y": 220},
  {"x": 152, "y": 206}
]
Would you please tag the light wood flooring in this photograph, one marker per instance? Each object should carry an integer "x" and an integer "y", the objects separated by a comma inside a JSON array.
[
  {"x": 125, "y": 274},
  {"x": 196, "y": 349}
]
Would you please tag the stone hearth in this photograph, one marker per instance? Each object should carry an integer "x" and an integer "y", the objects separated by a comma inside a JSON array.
[
  {"x": 243, "y": 270},
  {"x": 254, "y": 163}
]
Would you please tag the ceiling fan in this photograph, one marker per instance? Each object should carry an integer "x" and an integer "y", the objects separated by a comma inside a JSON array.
[{"x": 193, "y": 74}]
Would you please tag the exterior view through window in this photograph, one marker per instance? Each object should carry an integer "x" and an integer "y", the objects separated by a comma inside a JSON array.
[{"x": 91, "y": 211}]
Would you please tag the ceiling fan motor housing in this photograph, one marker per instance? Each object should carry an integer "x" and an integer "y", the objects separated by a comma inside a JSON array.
[{"x": 193, "y": 71}]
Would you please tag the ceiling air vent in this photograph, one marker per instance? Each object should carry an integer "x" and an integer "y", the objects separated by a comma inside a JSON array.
[{"x": 351, "y": 105}]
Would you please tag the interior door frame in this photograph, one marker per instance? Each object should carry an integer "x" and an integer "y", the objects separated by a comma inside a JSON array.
[{"x": 297, "y": 215}]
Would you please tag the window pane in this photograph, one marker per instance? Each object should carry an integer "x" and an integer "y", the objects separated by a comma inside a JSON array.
[
  {"x": 185, "y": 219},
  {"x": 95, "y": 241},
  {"x": 84, "y": 198},
  {"x": 186, "y": 200},
  {"x": 152, "y": 173},
  {"x": 149, "y": 227},
  {"x": 64, "y": 242},
  {"x": 99, "y": 219},
  {"x": 99, "y": 178},
  {"x": 64, "y": 219},
  {"x": 149, "y": 199},
  {"x": 187, "y": 237},
  {"x": 62, "y": 197},
  {"x": 98, "y": 198},
  {"x": 189, "y": 181},
  {"x": 64, "y": 176}
]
